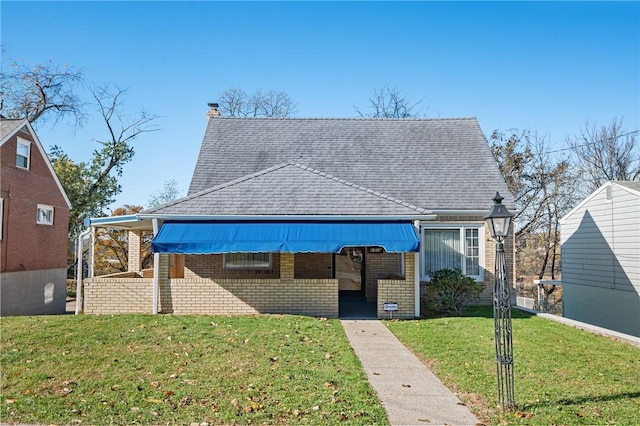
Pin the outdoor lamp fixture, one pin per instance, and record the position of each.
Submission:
(499, 220)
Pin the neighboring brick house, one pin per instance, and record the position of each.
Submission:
(286, 215)
(34, 212)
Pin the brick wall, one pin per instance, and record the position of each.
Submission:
(380, 266)
(401, 292)
(118, 295)
(313, 265)
(210, 266)
(317, 297)
(486, 298)
(26, 245)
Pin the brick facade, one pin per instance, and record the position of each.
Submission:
(33, 256)
(26, 245)
(400, 291)
(295, 284)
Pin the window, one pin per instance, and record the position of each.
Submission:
(23, 152)
(45, 215)
(246, 261)
(453, 248)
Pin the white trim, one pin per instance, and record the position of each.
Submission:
(27, 144)
(563, 219)
(138, 220)
(45, 208)
(416, 274)
(156, 271)
(461, 227)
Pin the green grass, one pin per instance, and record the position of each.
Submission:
(144, 369)
(563, 376)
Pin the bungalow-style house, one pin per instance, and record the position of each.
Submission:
(601, 258)
(34, 223)
(287, 215)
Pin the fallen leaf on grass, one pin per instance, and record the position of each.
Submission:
(154, 400)
(10, 401)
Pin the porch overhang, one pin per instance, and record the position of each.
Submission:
(283, 236)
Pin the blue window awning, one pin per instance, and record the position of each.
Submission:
(284, 237)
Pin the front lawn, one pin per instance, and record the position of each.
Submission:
(145, 369)
(563, 376)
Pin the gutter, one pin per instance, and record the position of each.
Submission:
(326, 218)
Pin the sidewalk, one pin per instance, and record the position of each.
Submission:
(409, 392)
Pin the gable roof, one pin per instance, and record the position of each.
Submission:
(435, 164)
(631, 187)
(9, 128)
(288, 189)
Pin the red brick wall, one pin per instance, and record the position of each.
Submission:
(26, 245)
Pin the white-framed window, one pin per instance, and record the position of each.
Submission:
(453, 247)
(23, 154)
(45, 215)
(246, 261)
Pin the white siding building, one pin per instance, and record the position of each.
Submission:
(601, 258)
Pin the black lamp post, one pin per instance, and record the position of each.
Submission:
(499, 221)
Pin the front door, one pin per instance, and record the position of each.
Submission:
(349, 268)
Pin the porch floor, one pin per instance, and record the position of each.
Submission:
(357, 307)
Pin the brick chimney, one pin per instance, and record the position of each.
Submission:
(213, 111)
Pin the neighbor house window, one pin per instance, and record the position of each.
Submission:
(45, 215)
(247, 261)
(453, 248)
(23, 152)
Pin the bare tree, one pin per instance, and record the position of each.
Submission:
(235, 102)
(93, 185)
(41, 92)
(543, 190)
(606, 153)
(169, 192)
(389, 102)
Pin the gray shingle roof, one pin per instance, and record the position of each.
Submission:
(635, 185)
(8, 126)
(436, 164)
(292, 189)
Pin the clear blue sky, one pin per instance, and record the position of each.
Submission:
(545, 66)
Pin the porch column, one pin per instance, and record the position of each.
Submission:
(156, 270)
(134, 261)
(287, 267)
(416, 273)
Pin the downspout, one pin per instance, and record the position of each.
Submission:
(416, 273)
(156, 271)
(79, 269)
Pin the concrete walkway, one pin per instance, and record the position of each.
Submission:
(409, 392)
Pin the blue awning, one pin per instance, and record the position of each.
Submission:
(284, 237)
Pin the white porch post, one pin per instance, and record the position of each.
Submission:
(156, 271)
(91, 251)
(79, 269)
(416, 272)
